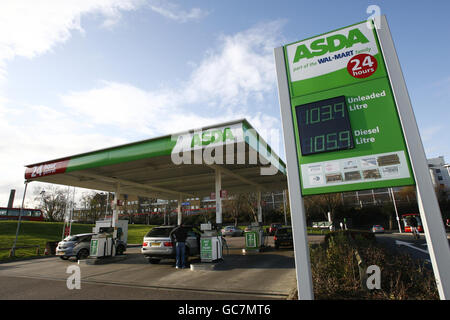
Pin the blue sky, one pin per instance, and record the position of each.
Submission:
(86, 74)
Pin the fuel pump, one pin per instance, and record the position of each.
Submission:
(254, 237)
(102, 243)
(210, 244)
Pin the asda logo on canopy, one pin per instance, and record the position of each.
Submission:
(329, 44)
(212, 136)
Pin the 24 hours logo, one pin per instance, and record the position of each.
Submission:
(362, 66)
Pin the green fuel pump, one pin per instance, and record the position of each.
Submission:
(254, 238)
(210, 244)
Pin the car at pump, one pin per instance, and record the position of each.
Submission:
(158, 245)
(273, 228)
(231, 231)
(283, 237)
(79, 245)
(377, 229)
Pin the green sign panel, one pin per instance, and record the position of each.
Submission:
(206, 248)
(347, 130)
(94, 247)
(250, 240)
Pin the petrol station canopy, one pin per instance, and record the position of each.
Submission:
(173, 166)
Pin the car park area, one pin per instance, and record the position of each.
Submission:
(266, 275)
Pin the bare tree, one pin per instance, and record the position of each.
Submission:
(53, 201)
(242, 203)
(93, 205)
(324, 203)
(235, 206)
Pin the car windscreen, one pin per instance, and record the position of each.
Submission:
(159, 232)
(71, 238)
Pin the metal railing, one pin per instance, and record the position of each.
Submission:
(22, 247)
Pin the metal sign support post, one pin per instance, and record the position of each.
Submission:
(301, 247)
(428, 205)
(396, 211)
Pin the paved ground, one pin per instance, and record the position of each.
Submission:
(404, 242)
(265, 275)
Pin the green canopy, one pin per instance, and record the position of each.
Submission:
(167, 167)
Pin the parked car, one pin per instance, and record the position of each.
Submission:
(377, 229)
(158, 245)
(283, 237)
(79, 245)
(273, 228)
(231, 231)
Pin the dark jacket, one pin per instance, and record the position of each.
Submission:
(412, 222)
(179, 234)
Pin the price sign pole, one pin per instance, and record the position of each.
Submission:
(298, 216)
(430, 212)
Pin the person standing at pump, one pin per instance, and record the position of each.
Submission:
(412, 221)
(179, 235)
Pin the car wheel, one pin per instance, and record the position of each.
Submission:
(153, 260)
(82, 254)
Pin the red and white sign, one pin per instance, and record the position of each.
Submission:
(46, 169)
(362, 66)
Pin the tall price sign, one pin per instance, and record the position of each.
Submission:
(348, 125)
(347, 130)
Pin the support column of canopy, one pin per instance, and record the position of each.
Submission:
(218, 184)
(260, 217)
(180, 215)
(115, 217)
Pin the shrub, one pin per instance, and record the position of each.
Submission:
(336, 275)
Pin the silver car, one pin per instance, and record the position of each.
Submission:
(232, 231)
(77, 245)
(158, 245)
(377, 229)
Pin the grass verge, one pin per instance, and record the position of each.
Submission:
(39, 233)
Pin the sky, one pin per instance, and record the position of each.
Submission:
(80, 75)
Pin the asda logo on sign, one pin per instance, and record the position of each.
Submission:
(329, 52)
(329, 44)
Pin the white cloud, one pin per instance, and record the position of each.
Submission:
(224, 86)
(242, 68)
(29, 28)
(38, 133)
(173, 12)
